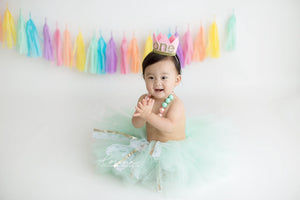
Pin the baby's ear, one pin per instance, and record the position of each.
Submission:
(178, 79)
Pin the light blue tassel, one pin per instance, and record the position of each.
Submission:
(101, 55)
(34, 47)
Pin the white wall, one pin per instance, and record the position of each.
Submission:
(46, 112)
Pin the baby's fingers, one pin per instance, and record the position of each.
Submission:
(151, 102)
(140, 105)
(148, 102)
(144, 102)
(138, 109)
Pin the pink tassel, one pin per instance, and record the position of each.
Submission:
(57, 46)
(187, 47)
(124, 61)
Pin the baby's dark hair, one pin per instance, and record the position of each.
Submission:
(152, 58)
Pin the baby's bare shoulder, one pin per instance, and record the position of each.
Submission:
(178, 101)
(177, 104)
(176, 112)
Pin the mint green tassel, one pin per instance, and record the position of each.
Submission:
(21, 36)
(231, 34)
(92, 56)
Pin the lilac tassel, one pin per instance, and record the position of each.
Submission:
(48, 50)
(111, 56)
(180, 52)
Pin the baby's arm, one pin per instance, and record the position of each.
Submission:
(165, 124)
(137, 121)
(168, 123)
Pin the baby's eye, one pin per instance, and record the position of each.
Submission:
(150, 77)
(164, 77)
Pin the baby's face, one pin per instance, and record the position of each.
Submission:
(161, 78)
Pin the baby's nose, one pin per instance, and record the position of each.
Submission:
(157, 82)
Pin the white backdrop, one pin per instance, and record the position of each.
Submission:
(47, 112)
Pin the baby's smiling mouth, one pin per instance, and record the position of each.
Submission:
(159, 90)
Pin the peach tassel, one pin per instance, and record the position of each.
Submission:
(67, 48)
(199, 46)
(133, 55)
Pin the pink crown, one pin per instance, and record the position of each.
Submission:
(164, 45)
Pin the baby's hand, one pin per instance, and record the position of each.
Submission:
(144, 108)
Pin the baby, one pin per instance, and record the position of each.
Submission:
(170, 156)
(164, 116)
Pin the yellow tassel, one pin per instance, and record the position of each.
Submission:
(213, 49)
(79, 49)
(148, 46)
(9, 31)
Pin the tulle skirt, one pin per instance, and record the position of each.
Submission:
(123, 151)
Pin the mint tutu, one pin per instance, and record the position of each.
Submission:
(123, 151)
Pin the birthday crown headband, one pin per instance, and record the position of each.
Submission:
(164, 45)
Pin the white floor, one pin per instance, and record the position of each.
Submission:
(45, 137)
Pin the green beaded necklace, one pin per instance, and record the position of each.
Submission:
(165, 104)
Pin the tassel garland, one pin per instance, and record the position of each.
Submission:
(102, 57)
